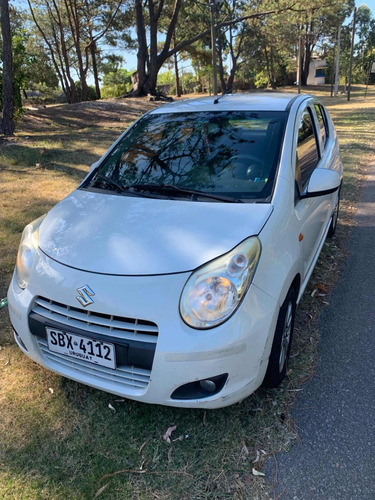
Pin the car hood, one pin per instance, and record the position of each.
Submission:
(114, 234)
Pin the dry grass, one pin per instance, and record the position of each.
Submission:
(63, 444)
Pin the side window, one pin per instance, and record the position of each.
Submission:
(307, 151)
(323, 130)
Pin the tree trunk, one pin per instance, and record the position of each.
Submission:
(273, 80)
(177, 76)
(142, 53)
(149, 85)
(231, 75)
(75, 27)
(95, 69)
(57, 59)
(268, 66)
(60, 48)
(221, 66)
(7, 123)
(309, 47)
(72, 91)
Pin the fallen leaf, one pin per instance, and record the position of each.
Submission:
(180, 438)
(50, 390)
(111, 407)
(168, 433)
(245, 449)
(314, 292)
(100, 490)
(170, 451)
(256, 458)
(257, 473)
(142, 446)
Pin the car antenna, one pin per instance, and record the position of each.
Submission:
(216, 101)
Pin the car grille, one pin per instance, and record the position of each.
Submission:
(105, 324)
(128, 376)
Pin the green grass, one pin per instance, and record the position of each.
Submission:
(62, 443)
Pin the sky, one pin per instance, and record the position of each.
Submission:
(370, 4)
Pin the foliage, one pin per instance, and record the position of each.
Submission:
(116, 83)
(21, 60)
(262, 47)
(110, 63)
(261, 80)
(91, 93)
(364, 48)
(71, 32)
(40, 69)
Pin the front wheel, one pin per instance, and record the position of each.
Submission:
(282, 342)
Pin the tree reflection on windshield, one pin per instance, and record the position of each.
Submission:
(228, 153)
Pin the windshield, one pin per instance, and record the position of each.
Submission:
(231, 155)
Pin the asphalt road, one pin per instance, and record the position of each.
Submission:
(335, 412)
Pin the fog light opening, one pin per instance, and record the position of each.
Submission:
(201, 388)
(208, 385)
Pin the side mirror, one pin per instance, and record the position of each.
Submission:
(322, 182)
(93, 166)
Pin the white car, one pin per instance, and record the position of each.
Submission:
(171, 275)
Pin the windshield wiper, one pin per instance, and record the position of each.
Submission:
(112, 182)
(121, 188)
(163, 188)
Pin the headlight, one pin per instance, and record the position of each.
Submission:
(27, 251)
(214, 291)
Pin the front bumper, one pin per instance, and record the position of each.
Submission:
(180, 355)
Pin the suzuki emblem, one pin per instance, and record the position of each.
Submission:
(85, 294)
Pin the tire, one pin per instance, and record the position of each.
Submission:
(335, 216)
(282, 342)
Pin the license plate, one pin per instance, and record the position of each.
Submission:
(86, 349)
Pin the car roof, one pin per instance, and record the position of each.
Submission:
(257, 101)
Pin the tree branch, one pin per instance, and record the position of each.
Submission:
(160, 8)
(164, 54)
(223, 24)
(104, 31)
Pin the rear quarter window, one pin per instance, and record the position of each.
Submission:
(322, 124)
